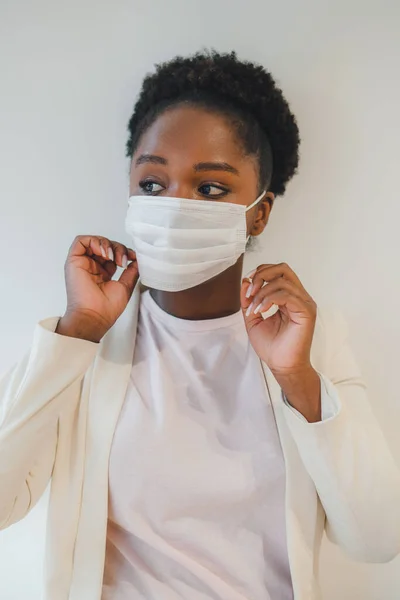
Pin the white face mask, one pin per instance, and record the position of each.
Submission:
(181, 243)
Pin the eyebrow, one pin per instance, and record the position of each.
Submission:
(198, 167)
(215, 166)
(151, 158)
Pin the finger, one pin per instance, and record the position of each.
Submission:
(102, 249)
(110, 268)
(250, 318)
(131, 254)
(266, 273)
(108, 249)
(87, 244)
(101, 271)
(129, 277)
(294, 306)
(99, 259)
(275, 286)
(120, 254)
(244, 300)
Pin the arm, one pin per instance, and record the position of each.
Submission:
(348, 459)
(32, 397)
(48, 382)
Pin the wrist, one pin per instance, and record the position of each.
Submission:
(80, 326)
(302, 389)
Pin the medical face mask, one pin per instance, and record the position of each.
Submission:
(181, 243)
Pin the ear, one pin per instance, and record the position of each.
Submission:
(263, 213)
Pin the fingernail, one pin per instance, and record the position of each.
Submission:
(110, 254)
(248, 311)
(103, 252)
(249, 290)
(258, 308)
(250, 275)
(124, 261)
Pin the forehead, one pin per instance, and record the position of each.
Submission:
(194, 133)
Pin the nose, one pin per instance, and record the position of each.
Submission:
(179, 189)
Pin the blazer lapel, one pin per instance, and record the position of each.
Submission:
(110, 378)
(304, 514)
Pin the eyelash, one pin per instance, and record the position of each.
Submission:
(147, 182)
(222, 189)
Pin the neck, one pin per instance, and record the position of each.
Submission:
(218, 297)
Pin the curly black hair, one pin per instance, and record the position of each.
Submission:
(243, 91)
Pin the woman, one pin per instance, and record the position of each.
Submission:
(196, 449)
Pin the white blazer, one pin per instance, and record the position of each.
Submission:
(59, 409)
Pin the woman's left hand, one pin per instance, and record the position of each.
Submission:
(283, 341)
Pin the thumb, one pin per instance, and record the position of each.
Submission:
(129, 277)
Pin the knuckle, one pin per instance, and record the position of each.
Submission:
(312, 305)
(257, 277)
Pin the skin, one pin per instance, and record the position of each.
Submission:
(181, 138)
(184, 137)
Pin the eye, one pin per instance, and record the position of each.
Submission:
(150, 187)
(212, 191)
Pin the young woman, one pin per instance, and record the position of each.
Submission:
(196, 448)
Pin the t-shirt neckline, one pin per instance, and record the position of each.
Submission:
(149, 304)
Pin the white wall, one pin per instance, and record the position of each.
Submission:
(69, 73)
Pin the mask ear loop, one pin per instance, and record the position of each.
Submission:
(253, 204)
(256, 200)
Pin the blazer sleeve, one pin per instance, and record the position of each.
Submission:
(348, 459)
(32, 397)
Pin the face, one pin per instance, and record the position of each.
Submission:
(189, 152)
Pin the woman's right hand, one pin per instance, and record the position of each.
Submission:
(94, 299)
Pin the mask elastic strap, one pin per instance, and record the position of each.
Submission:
(253, 204)
(256, 200)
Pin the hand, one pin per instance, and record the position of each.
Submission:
(94, 299)
(283, 341)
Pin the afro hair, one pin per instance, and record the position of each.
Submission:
(240, 89)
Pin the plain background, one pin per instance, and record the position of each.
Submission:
(70, 72)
